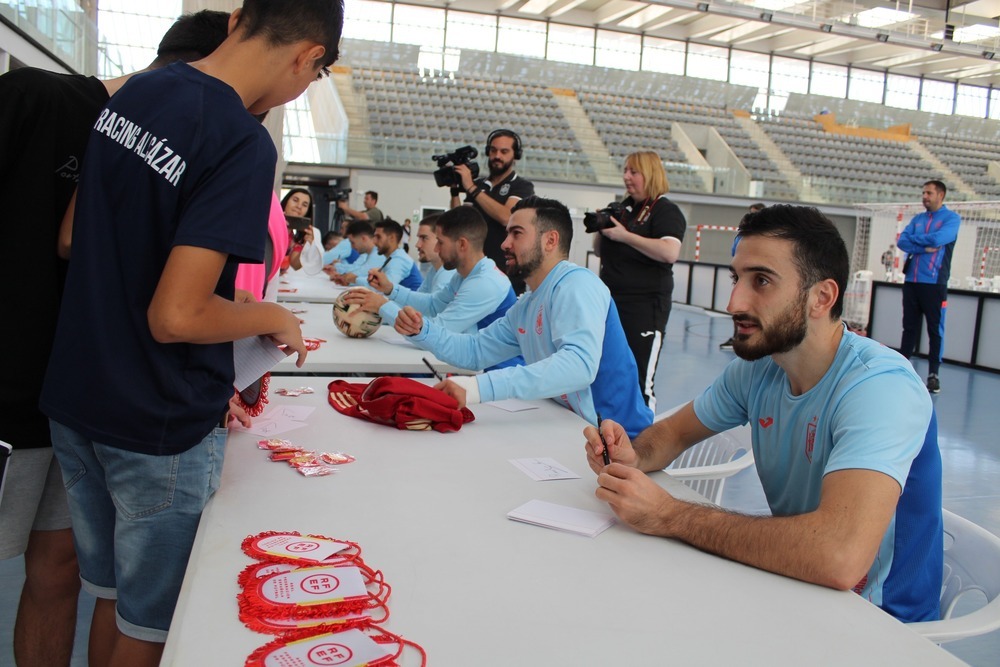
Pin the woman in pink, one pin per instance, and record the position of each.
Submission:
(257, 279)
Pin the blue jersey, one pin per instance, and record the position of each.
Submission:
(573, 345)
(174, 159)
(435, 279)
(937, 232)
(414, 280)
(869, 411)
(361, 266)
(458, 306)
(343, 251)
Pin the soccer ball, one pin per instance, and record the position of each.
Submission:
(352, 321)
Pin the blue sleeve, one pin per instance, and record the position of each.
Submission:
(460, 310)
(724, 404)
(474, 351)
(338, 252)
(426, 304)
(905, 241)
(361, 268)
(397, 269)
(942, 236)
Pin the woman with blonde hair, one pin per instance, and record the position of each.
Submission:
(637, 256)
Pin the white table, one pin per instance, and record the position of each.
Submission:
(296, 286)
(475, 588)
(386, 351)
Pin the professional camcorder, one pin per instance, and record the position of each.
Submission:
(341, 194)
(445, 176)
(597, 220)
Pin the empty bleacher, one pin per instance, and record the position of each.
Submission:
(967, 157)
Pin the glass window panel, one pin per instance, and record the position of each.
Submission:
(866, 86)
(750, 69)
(902, 91)
(619, 50)
(472, 31)
(521, 37)
(830, 80)
(423, 26)
(995, 104)
(971, 101)
(663, 55)
(937, 97)
(128, 37)
(571, 44)
(791, 75)
(708, 62)
(364, 19)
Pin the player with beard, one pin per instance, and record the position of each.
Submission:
(566, 328)
(844, 434)
(496, 195)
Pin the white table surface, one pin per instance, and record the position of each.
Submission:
(296, 286)
(474, 588)
(386, 351)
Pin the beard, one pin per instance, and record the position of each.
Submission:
(788, 331)
(521, 269)
(498, 167)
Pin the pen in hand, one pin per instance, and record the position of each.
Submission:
(433, 370)
(607, 457)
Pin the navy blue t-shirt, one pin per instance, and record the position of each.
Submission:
(174, 159)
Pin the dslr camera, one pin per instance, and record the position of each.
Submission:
(445, 176)
(595, 221)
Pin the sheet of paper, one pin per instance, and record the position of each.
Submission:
(561, 517)
(252, 357)
(277, 419)
(512, 405)
(543, 469)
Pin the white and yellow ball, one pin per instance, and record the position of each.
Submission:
(352, 321)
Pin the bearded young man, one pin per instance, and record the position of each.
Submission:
(495, 196)
(844, 434)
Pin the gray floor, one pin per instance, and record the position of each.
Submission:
(968, 422)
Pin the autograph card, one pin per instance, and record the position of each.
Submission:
(543, 469)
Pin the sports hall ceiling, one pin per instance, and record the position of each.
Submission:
(902, 38)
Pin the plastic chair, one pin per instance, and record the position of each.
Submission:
(705, 466)
(971, 565)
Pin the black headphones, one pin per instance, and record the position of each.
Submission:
(505, 133)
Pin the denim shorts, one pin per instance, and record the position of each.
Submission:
(134, 520)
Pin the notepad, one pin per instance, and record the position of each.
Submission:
(252, 357)
(561, 517)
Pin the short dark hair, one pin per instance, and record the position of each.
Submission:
(550, 216)
(372, 194)
(463, 221)
(759, 206)
(332, 235)
(359, 228)
(284, 200)
(192, 37)
(820, 253)
(283, 22)
(391, 227)
(431, 220)
(941, 187)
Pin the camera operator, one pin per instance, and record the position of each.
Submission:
(495, 195)
(371, 213)
(637, 250)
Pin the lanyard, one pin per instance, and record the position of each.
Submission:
(647, 207)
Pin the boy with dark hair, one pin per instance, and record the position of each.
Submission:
(844, 434)
(142, 367)
(45, 121)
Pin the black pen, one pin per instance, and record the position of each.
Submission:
(384, 264)
(433, 370)
(607, 457)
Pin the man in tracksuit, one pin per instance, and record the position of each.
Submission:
(928, 240)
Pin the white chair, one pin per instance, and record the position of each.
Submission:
(705, 466)
(971, 565)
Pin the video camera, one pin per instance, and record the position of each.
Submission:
(595, 221)
(341, 194)
(445, 176)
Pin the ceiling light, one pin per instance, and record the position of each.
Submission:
(766, 16)
(937, 47)
(882, 37)
(826, 27)
(881, 17)
(989, 55)
(702, 6)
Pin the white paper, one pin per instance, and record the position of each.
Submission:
(351, 648)
(252, 357)
(560, 517)
(543, 469)
(266, 427)
(512, 405)
(300, 546)
(313, 585)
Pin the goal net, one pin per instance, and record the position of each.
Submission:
(975, 262)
